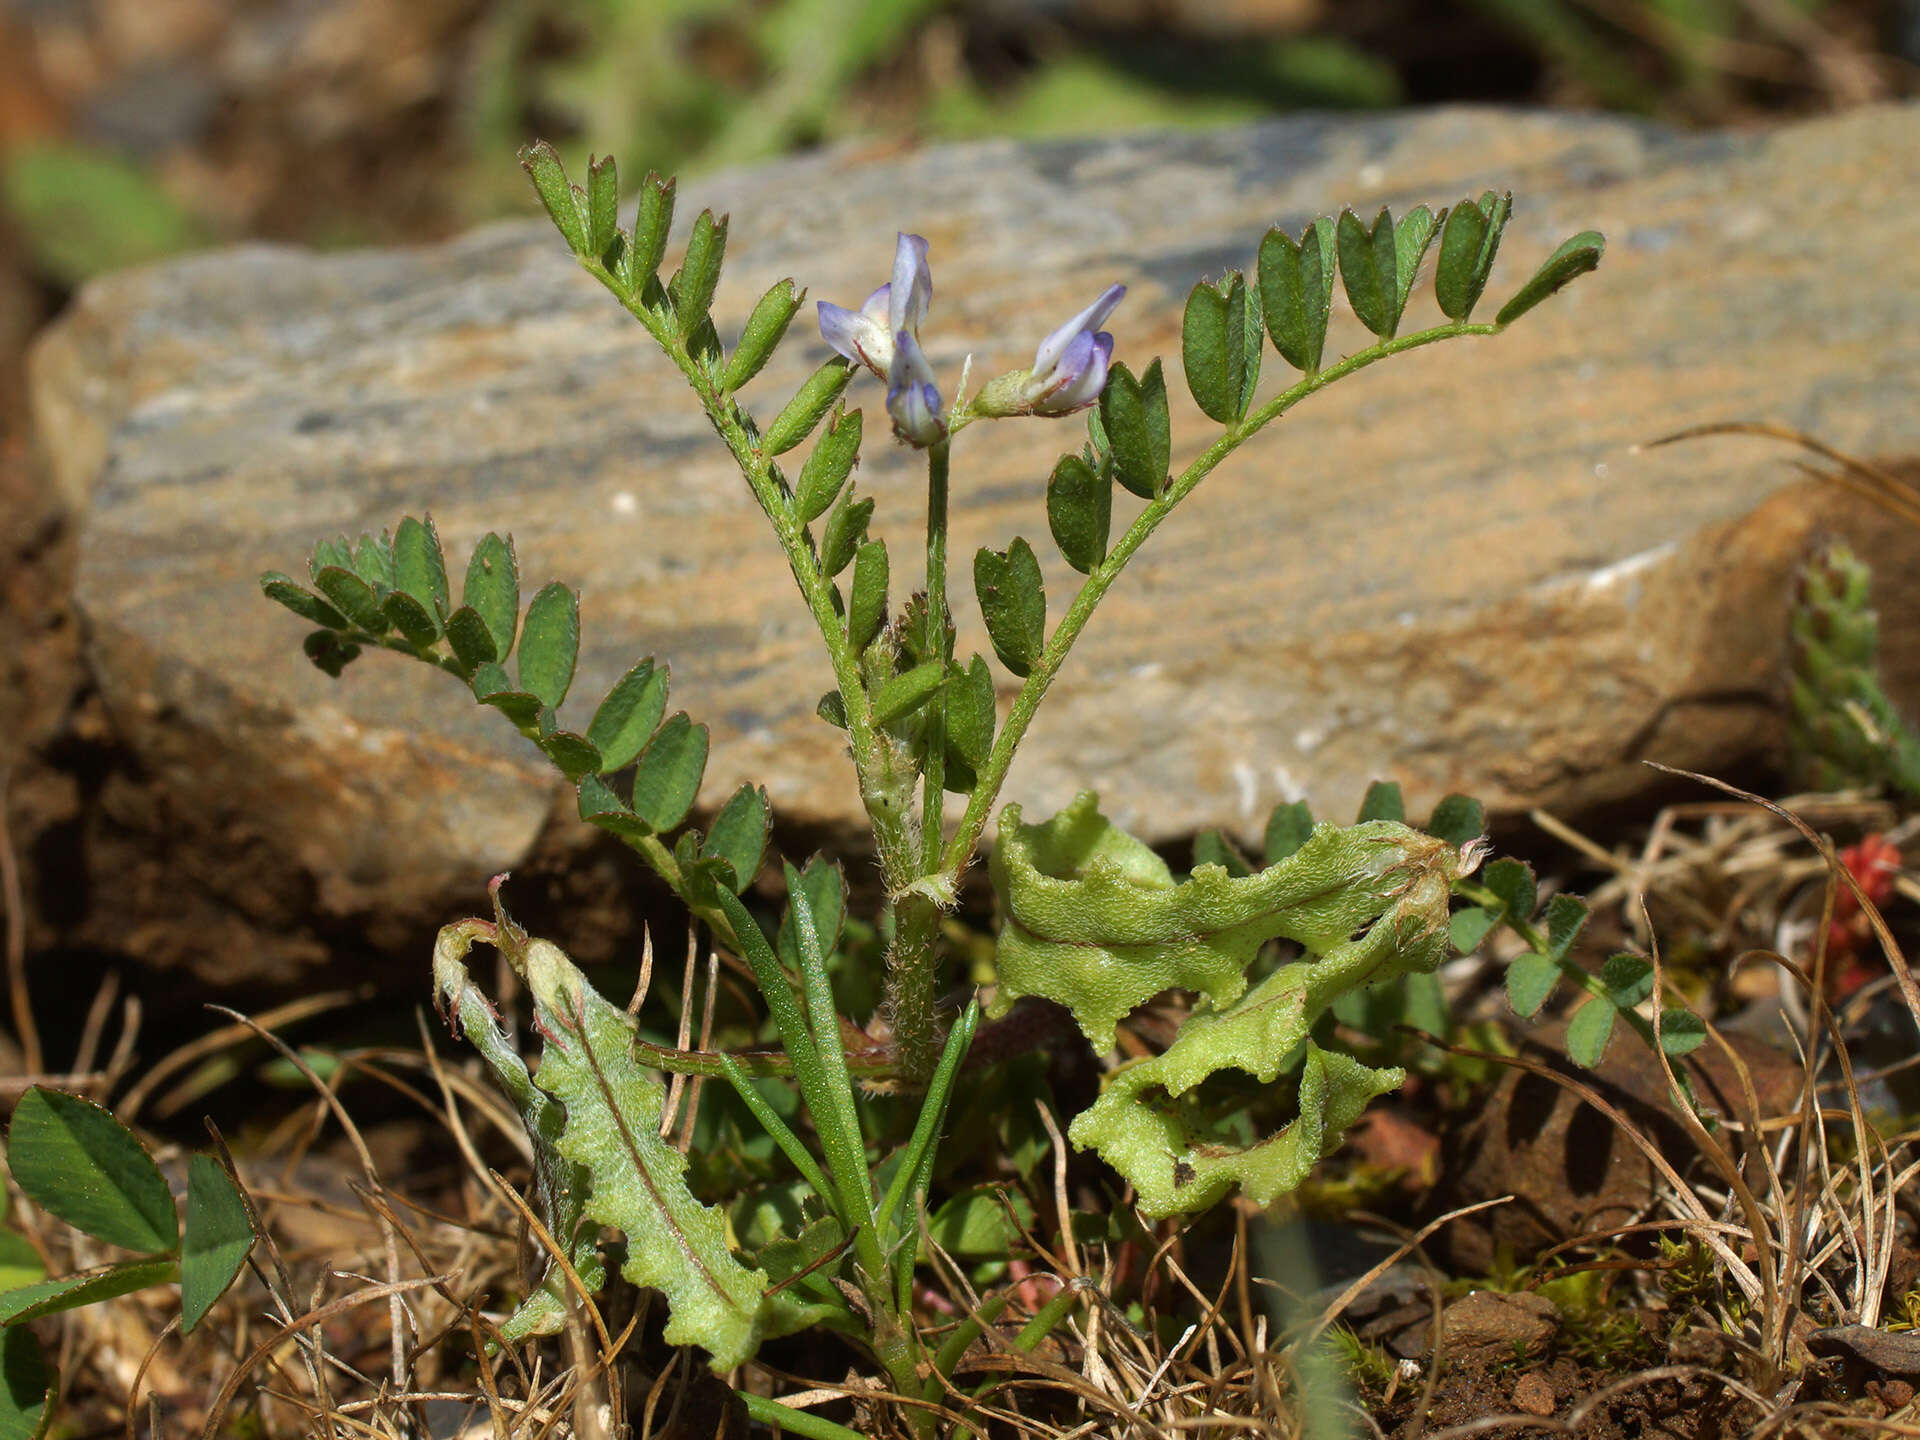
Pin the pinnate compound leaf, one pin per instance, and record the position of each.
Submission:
(492, 591)
(301, 601)
(630, 713)
(1079, 512)
(1288, 828)
(565, 205)
(26, 1385)
(827, 466)
(739, 835)
(1013, 601)
(1588, 1032)
(1572, 260)
(1095, 921)
(810, 403)
(667, 779)
(74, 1160)
(867, 605)
(904, 694)
(560, 1186)
(69, 1292)
(1459, 820)
(215, 1243)
(1133, 424)
(1531, 978)
(1221, 366)
(550, 644)
(637, 1182)
(1296, 291)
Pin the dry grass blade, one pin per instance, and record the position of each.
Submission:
(317, 1316)
(214, 1041)
(1891, 492)
(1407, 1246)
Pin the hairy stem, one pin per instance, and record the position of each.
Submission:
(911, 960)
(870, 760)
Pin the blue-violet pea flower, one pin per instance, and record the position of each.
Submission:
(866, 336)
(913, 400)
(1069, 369)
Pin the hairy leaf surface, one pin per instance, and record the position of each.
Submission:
(1097, 922)
(637, 1181)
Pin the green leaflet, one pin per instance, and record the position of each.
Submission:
(560, 1186)
(612, 1129)
(1172, 1173)
(1096, 921)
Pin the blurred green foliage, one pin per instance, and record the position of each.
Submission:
(692, 85)
(82, 211)
(695, 84)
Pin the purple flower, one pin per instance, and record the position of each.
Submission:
(913, 400)
(1070, 367)
(867, 335)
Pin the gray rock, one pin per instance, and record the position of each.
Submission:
(1455, 571)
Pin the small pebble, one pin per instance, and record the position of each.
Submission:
(1895, 1394)
(1533, 1394)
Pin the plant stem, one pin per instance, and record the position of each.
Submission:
(797, 1422)
(871, 761)
(911, 960)
(936, 644)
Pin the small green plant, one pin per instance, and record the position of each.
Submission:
(1092, 918)
(1842, 730)
(75, 1161)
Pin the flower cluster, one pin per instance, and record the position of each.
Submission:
(1068, 372)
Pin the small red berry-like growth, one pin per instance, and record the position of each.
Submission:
(1852, 959)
